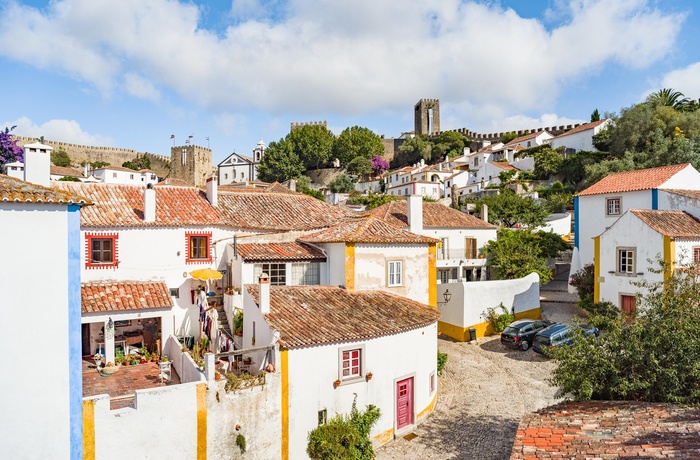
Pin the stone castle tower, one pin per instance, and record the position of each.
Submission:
(427, 116)
(191, 163)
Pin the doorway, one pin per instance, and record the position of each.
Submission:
(404, 403)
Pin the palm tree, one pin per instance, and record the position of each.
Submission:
(669, 98)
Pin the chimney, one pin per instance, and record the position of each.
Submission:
(292, 185)
(264, 301)
(149, 204)
(415, 214)
(212, 190)
(484, 213)
(37, 164)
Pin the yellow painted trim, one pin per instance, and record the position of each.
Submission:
(89, 429)
(284, 358)
(461, 334)
(350, 266)
(202, 421)
(669, 257)
(385, 437)
(428, 409)
(432, 275)
(596, 269)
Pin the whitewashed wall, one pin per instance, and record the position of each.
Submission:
(263, 334)
(312, 372)
(559, 223)
(593, 221)
(336, 263)
(688, 178)
(669, 200)
(470, 300)
(34, 279)
(456, 249)
(371, 269)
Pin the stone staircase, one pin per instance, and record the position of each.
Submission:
(557, 303)
(223, 323)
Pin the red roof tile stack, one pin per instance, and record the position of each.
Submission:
(584, 127)
(609, 430)
(435, 215)
(19, 191)
(629, 181)
(106, 296)
(290, 252)
(318, 315)
(368, 229)
(676, 224)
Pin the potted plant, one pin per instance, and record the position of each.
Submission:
(164, 359)
(336, 384)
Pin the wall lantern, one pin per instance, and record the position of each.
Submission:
(447, 295)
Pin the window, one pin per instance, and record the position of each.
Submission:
(198, 247)
(322, 417)
(305, 274)
(444, 253)
(277, 272)
(626, 261)
(470, 248)
(432, 383)
(394, 276)
(351, 364)
(101, 250)
(696, 255)
(613, 206)
(444, 276)
(175, 292)
(114, 174)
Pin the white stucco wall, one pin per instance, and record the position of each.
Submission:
(688, 178)
(371, 269)
(336, 263)
(582, 140)
(470, 300)
(593, 221)
(456, 244)
(668, 200)
(628, 232)
(558, 223)
(312, 372)
(159, 254)
(34, 281)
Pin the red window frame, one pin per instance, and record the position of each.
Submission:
(188, 248)
(90, 238)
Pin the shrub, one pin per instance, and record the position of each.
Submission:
(441, 362)
(499, 320)
(344, 437)
(240, 442)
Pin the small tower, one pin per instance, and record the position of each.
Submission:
(259, 152)
(190, 163)
(427, 116)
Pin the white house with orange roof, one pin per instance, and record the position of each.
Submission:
(459, 179)
(531, 140)
(126, 176)
(428, 189)
(338, 344)
(632, 247)
(40, 278)
(580, 137)
(600, 205)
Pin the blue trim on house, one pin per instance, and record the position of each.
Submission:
(576, 223)
(654, 199)
(75, 353)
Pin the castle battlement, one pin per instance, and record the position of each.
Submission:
(295, 125)
(553, 130)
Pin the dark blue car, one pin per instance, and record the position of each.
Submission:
(559, 335)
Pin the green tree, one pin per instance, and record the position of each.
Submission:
(138, 163)
(413, 150)
(448, 144)
(342, 184)
(355, 142)
(668, 97)
(60, 157)
(344, 437)
(312, 144)
(517, 253)
(372, 200)
(360, 166)
(304, 186)
(547, 160)
(280, 163)
(595, 116)
(509, 136)
(652, 358)
(508, 208)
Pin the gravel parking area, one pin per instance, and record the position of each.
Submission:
(483, 393)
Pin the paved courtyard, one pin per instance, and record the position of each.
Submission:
(483, 393)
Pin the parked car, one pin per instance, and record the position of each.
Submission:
(559, 335)
(520, 333)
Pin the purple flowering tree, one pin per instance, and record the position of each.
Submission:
(9, 150)
(379, 165)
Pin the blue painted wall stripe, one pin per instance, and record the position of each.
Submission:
(75, 352)
(576, 222)
(655, 198)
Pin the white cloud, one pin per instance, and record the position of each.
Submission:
(685, 80)
(68, 131)
(345, 57)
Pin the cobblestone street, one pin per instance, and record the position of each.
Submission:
(483, 393)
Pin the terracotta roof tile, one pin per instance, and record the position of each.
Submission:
(629, 181)
(19, 191)
(366, 229)
(609, 429)
(526, 137)
(119, 205)
(291, 252)
(435, 215)
(264, 210)
(64, 171)
(106, 296)
(504, 165)
(173, 182)
(677, 224)
(317, 315)
(584, 127)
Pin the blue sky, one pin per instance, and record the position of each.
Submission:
(131, 73)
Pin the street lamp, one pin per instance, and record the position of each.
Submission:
(447, 295)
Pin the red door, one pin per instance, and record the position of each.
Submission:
(404, 403)
(629, 304)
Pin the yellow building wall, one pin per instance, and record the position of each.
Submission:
(461, 334)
